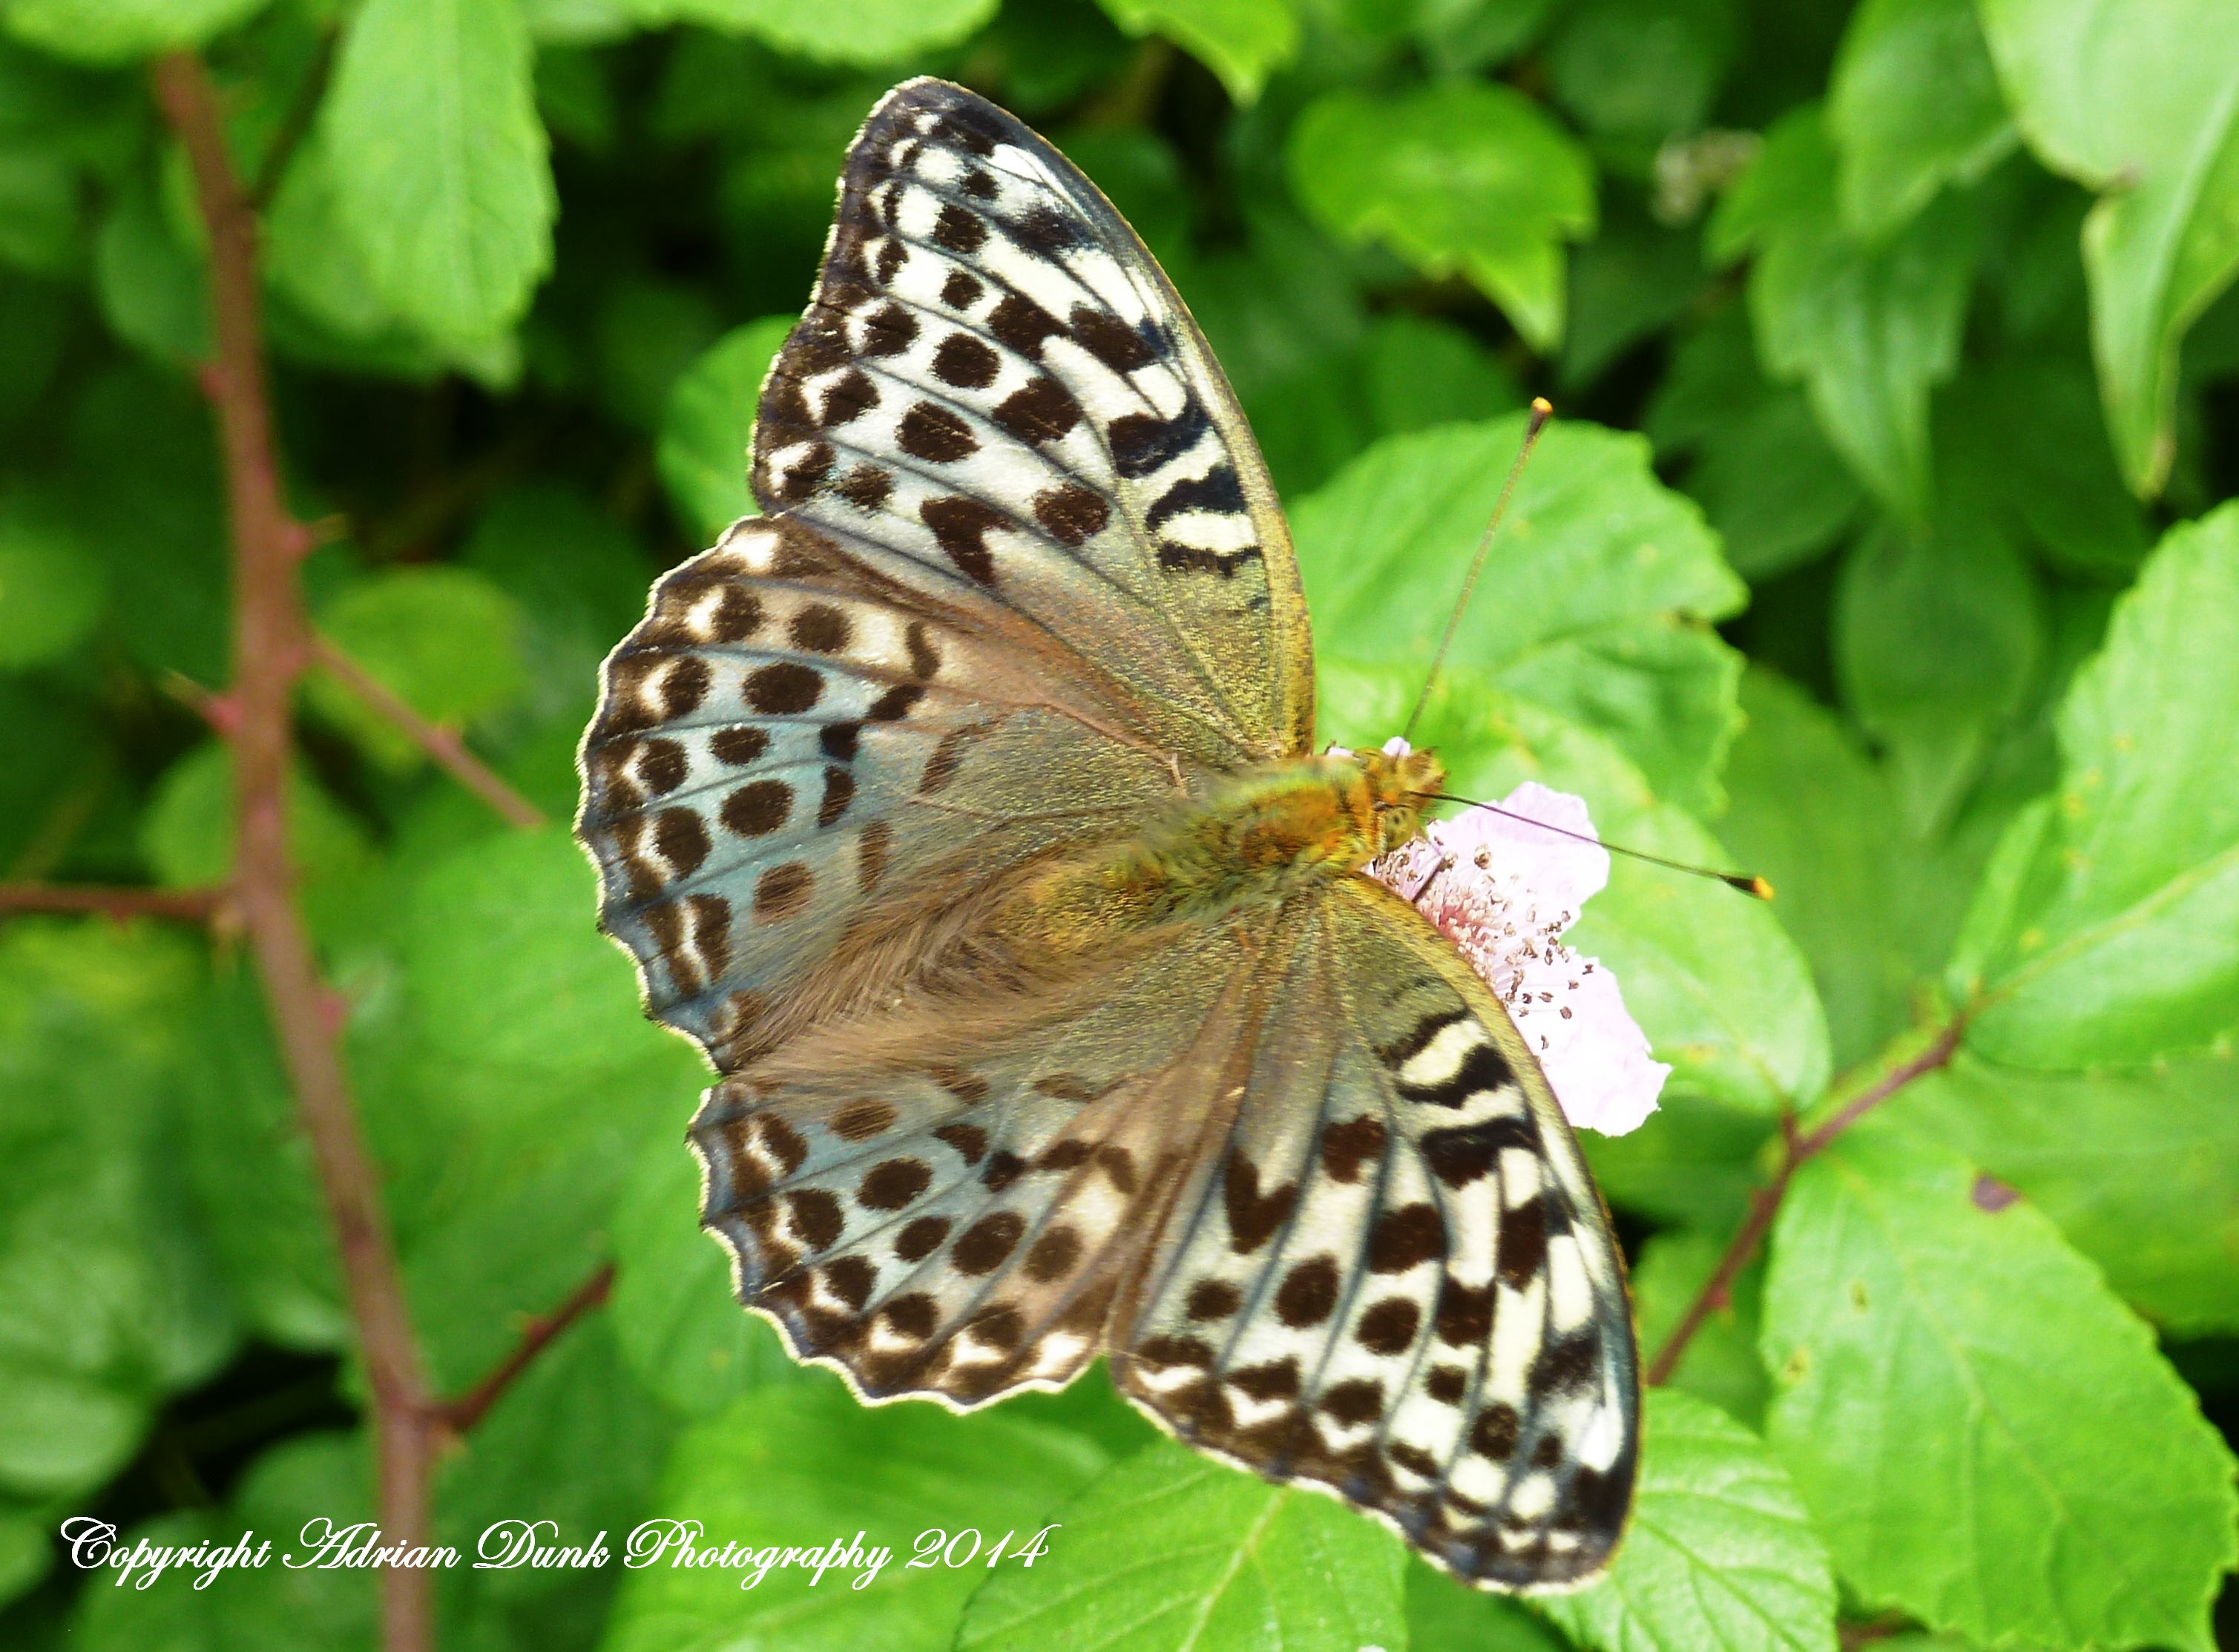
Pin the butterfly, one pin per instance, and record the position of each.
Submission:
(963, 807)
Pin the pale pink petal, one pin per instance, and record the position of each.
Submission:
(1572, 1015)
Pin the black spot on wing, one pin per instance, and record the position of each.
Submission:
(1218, 490)
(1483, 1068)
(1142, 444)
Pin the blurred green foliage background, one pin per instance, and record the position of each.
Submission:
(1884, 545)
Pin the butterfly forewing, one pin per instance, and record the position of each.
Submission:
(996, 388)
(784, 755)
(1394, 1277)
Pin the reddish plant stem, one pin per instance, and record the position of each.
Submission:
(1765, 1203)
(190, 905)
(271, 643)
(461, 1413)
(442, 744)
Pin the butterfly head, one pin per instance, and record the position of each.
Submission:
(1399, 788)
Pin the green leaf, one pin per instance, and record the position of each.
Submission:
(1594, 599)
(1639, 70)
(1720, 1363)
(272, 1608)
(574, 97)
(1868, 329)
(1720, 1557)
(2140, 1171)
(591, 22)
(117, 31)
(679, 1325)
(1241, 41)
(2120, 947)
(1421, 373)
(648, 333)
(1984, 1436)
(872, 32)
(1456, 176)
(578, 581)
(1444, 1616)
(26, 1552)
(1631, 280)
(154, 286)
(2028, 431)
(1697, 1165)
(709, 424)
(509, 1086)
(107, 1298)
(2145, 111)
(438, 161)
(1873, 908)
(143, 490)
(1170, 1551)
(1764, 473)
(32, 348)
(444, 640)
(243, 1131)
(51, 587)
(1722, 994)
(1939, 634)
(505, 965)
(1280, 308)
(575, 1441)
(1913, 105)
(322, 282)
(806, 1464)
(1774, 489)
(39, 210)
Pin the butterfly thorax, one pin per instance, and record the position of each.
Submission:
(1257, 836)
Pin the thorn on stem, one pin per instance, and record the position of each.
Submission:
(220, 711)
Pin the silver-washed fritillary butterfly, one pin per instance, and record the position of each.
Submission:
(963, 808)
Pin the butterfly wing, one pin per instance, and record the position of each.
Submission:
(1394, 1277)
(1024, 581)
(1024, 577)
(1306, 1186)
(997, 390)
(958, 1225)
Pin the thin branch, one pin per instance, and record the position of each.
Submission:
(460, 1414)
(189, 906)
(1765, 1203)
(270, 647)
(1937, 1054)
(442, 744)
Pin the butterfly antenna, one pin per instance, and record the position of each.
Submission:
(1747, 883)
(1542, 410)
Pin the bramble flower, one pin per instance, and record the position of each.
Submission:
(1504, 891)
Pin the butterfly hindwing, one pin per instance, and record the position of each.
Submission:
(959, 1228)
(997, 390)
(1394, 1278)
